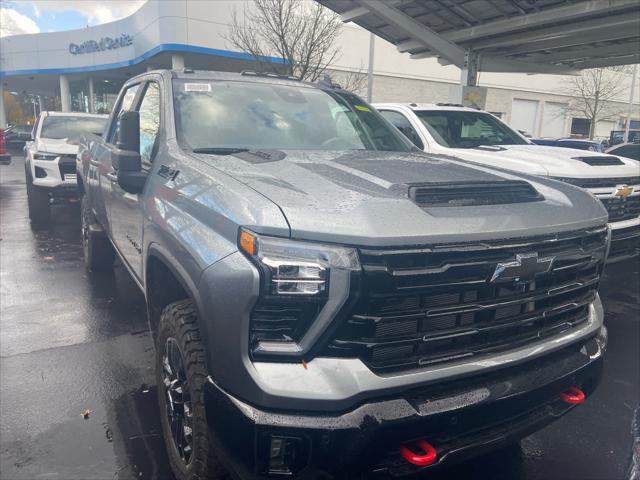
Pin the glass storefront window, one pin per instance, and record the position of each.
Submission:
(105, 92)
(79, 90)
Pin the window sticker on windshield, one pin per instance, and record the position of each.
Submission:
(362, 108)
(197, 87)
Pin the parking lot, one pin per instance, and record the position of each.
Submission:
(72, 341)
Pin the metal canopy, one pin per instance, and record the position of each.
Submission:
(529, 36)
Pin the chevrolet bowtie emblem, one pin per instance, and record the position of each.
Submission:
(623, 191)
(525, 268)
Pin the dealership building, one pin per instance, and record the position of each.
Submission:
(84, 69)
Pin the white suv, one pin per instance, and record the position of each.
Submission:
(50, 158)
(480, 137)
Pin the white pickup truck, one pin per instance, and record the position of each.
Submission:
(480, 137)
(50, 158)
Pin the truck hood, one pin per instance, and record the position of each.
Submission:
(544, 160)
(362, 198)
(61, 146)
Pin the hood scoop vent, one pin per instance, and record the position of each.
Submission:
(600, 161)
(450, 194)
(490, 148)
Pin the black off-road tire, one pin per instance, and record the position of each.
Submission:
(178, 323)
(38, 201)
(98, 251)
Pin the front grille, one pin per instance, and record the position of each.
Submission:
(423, 306)
(600, 161)
(67, 165)
(622, 208)
(601, 182)
(473, 193)
(625, 243)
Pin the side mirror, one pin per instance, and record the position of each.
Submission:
(128, 132)
(131, 178)
(126, 156)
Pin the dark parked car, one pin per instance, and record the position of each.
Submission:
(325, 299)
(17, 135)
(628, 150)
(617, 136)
(590, 145)
(545, 141)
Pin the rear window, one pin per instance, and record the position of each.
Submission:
(227, 114)
(60, 127)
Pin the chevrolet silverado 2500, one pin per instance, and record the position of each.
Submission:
(324, 298)
(482, 138)
(50, 159)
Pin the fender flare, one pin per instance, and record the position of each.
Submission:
(155, 250)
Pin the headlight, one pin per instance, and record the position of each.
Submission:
(45, 156)
(303, 286)
(296, 268)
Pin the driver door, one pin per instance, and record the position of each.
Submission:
(126, 212)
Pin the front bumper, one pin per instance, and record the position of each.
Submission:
(460, 418)
(55, 173)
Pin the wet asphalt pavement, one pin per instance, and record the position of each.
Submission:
(72, 341)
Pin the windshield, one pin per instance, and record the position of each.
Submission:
(464, 129)
(59, 127)
(219, 115)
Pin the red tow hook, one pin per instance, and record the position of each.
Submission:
(429, 456)
(572, 395)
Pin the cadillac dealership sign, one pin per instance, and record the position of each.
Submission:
(105, 43)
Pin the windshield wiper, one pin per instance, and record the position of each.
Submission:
(220, 150)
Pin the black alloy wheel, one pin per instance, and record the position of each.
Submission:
(178, 400)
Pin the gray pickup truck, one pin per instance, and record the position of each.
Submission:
(325, 299)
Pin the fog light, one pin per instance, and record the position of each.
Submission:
(286, 455)
(40, 172)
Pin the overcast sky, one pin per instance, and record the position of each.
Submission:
(33, 16)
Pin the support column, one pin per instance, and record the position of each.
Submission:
(469, 72)
(372, 39)
(3, 115)
(65, 95)
(539, 120)
(177, 62)
(92, 105)
(468, 78)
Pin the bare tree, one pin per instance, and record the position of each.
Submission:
(300, 34)
(352, 81)
(594, 93)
